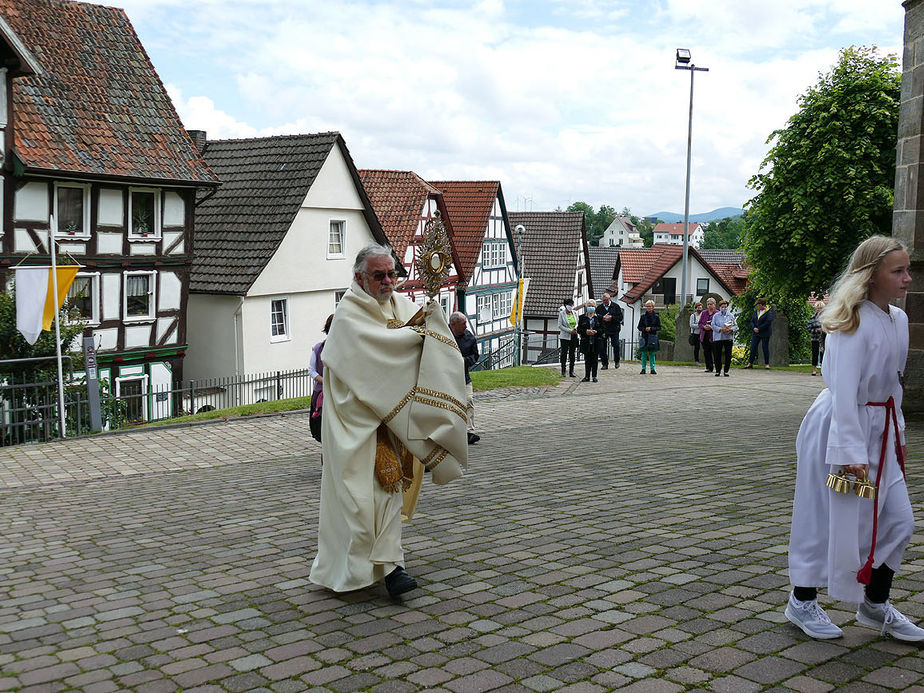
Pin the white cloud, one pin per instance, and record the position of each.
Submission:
(558, 105)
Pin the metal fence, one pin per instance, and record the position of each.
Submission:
(29, 406)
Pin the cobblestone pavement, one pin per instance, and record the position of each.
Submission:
(629, 534)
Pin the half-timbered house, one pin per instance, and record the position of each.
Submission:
(555, 258)
(404, 203)
(482, 239)
(98, 160)
(274, 253)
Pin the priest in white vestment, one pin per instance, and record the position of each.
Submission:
(394, 395)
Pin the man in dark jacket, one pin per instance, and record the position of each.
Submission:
(762, 328)
(469, 348)
(611, 314)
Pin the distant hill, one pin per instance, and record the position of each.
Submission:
(720, 213)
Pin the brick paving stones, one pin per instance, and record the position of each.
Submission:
(651, 559)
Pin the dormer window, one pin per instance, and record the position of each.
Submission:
(72, 210)
(144, 214)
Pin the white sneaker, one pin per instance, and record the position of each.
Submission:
(812, 619)
(889, 621)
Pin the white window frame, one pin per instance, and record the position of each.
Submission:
(154, 235)
(343, 234)
(61, 234)
(444, 304)
(152, 294)
(338, 296)
(144, 392)
(493, 255)
(287, 334)
(95, 297)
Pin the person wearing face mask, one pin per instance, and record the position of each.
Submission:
(649, 325)
(724, 328)
(567, 335)
(705, 332)
(695, 330)
(590, 329)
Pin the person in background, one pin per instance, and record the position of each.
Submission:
(468, 347)
(316, 373)
(567, 335)
(724, 328)
(649, 324)
(762, 327)
(612, 322)
(590, 328)
(705, 335)
(850, 544)
(818, 337)
(695, 331)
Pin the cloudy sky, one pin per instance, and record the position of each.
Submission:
(560, 100)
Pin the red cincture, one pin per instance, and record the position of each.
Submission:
(865, 574)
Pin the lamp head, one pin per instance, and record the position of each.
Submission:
(683, 56)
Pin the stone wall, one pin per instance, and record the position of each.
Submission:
(908, 214)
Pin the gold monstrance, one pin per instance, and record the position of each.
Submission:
(434, 256)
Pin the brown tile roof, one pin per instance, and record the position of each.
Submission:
(675, 229)
(98, 108)
(264, 182)
(469, 204)
(554, 247)
(644, 266)
(730, 266)
(398, 198)
(602, 267)
(14, 55)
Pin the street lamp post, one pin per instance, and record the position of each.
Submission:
(519, 230)
(683, 61)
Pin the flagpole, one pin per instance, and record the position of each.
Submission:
(54, 286)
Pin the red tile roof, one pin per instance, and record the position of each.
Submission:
(675, 229)
(398, 198)
(645, 266)
(469, 204)
(98, 107)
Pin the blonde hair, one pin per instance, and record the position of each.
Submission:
(649, 303)
(852, 288)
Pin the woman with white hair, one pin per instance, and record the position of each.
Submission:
(590, 329)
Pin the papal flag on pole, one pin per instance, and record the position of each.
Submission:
(517, 314)
(35, 300)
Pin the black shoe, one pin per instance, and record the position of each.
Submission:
(726, 374)
(572, 374)
(603, 368)
(642, 372)
(562, 372)
(708, 370)
(397, 582)
(473, 438)
(654, 372)
(585, 380)
(717, 374)
(595, 380)
(616, 366)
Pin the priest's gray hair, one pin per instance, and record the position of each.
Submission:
(457, 317)
(371, 250)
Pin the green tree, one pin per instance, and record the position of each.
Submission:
(596, 222)
(724, 233)
(827, 182)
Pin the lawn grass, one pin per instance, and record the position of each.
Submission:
(518, 376)
(522, 376)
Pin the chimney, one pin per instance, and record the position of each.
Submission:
(199, 138)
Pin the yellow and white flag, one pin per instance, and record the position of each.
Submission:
(519, 299)
(35, 300)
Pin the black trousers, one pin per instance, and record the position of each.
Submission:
(721, 350)
(567, 347)
(708, 352)
(817, 354)
(763, 340)
(605, 347)
(696, 344)
(590, 363)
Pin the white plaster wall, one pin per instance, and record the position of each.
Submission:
(210, 336)
(73, 248)
(300, 263)
(142, 249)
(333, 186)
(137, 336)
(307, 313)
(164, 326)
(111, 208)
(168, 296)
(107, 339)
(109, 243)
(174, 209)
(112, 295)
(22, 242)
(161, 381)
(169, 238)
(31, 203)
